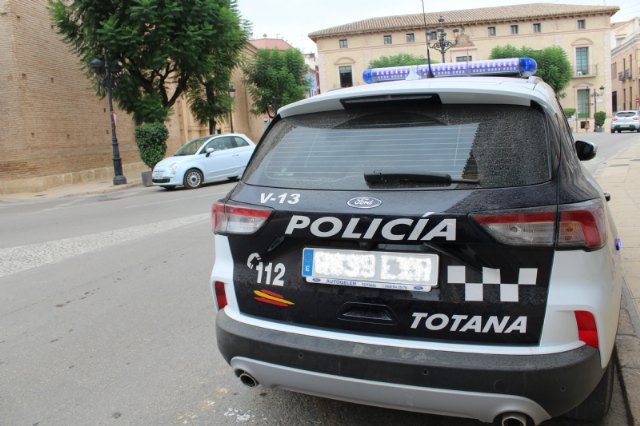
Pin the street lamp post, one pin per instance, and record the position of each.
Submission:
(98, 66)
(595, 99)
(595, 105)
(232, 92)
(442, 44)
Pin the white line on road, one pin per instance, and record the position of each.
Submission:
(21, 258)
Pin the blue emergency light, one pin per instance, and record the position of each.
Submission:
(523, 67)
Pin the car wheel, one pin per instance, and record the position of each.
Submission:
(193, 178)
(597, 403)
(169, 187)
(613, 131)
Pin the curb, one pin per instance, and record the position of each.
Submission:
(627, 345)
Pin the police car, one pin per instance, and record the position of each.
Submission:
(431, 244)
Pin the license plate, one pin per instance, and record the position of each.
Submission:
(353, 268)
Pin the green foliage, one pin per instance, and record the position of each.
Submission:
(569, 112)
(553, 66)
(151, 139)
(275, 78)
(599, 118)
(208, 95)
(161, 44)
(398, 60)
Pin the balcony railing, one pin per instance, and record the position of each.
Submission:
(621, 76)
(627, 73)
(584, 72)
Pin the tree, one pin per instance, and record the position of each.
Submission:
(553, 66)
(209, 95)
(209, 98)
(275, 78)
(397, 60)
(161, 45)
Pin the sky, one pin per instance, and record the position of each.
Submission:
(293, 20)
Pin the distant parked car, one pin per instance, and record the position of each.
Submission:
(205, 159)
(626, 120)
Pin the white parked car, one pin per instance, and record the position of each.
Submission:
(204, 160)
(626, 120)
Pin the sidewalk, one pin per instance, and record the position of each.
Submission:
(619, 176)
(94, 187)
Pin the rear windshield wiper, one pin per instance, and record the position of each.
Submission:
(379, 177)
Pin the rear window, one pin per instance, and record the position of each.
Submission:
(475, 145)
(626, 114)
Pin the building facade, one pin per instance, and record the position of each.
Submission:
(584, 32)
(55, 130)
(625, 66)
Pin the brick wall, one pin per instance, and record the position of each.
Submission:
(57, 126)
(54, 130)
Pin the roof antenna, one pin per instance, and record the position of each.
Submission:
(426, 33)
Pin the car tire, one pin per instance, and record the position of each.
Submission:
(193, 178)
(598, 402)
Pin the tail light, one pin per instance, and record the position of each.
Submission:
(220, 294)
(581, 225)
(530, 227)
(587, 329)
(230, 218)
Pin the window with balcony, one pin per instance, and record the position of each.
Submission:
(411, 37)
(343, 43)
(514, 29)
(492, 31)
(582, 61)
(387, 39)
(537, 28)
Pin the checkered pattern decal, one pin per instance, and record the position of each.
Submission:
(474, 292)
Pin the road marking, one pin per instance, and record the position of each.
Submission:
(21, 258)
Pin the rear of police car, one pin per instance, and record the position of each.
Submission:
(430, 245)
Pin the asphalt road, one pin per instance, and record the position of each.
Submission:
(106, 318)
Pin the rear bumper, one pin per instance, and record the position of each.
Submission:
(480, 386)
(626, 126)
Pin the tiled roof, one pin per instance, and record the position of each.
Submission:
(270, 43)
(465, 17)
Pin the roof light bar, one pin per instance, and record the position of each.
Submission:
(523, 67)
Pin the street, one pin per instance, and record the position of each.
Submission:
(106, 317)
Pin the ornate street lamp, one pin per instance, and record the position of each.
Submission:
(104, 78)
(596, 95)
(442, 44)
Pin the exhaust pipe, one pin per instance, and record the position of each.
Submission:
(514, 419)
(247, 379)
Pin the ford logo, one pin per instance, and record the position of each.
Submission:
(364, 202)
